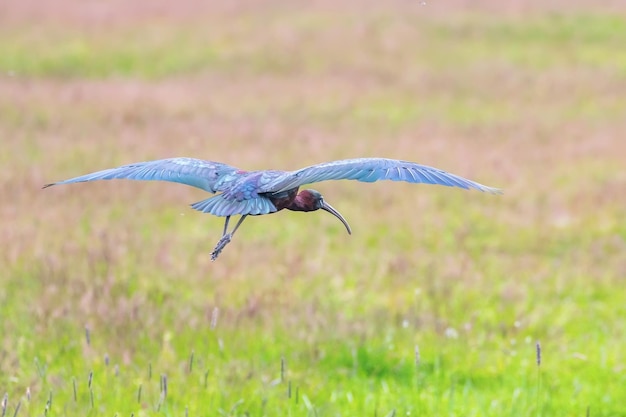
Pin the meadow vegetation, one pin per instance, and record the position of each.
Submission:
(110, 305)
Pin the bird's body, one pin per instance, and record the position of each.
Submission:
(263, 192)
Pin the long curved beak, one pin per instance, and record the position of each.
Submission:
(327, 207)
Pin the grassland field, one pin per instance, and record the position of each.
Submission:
(110, 304)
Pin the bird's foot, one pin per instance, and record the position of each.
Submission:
(225, 240)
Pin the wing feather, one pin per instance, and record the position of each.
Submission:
(206, 175)
(371, 170)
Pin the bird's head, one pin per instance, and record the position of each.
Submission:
(315, 201)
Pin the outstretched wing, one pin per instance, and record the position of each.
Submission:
(370, 170)
(206, 175)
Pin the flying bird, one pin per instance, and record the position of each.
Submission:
(254, 193)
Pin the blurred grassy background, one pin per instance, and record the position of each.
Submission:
(527, 96)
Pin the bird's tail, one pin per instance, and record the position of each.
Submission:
(220, 206)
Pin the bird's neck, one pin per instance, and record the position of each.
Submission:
(286, 200)
(304, 201)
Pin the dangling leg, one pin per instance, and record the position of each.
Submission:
(224, 240)
(226, 225)
(226, 237)
(238, 224)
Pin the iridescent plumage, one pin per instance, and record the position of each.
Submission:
(262, 192)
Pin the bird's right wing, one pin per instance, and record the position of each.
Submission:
(206, 175)
(371, 170)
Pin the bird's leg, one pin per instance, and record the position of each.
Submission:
(226, 225)
(226, 237)
(238, 224)
(224, 240)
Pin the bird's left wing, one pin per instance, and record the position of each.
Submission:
(371, 170)
(206, 175)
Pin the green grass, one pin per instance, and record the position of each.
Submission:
(255, 44)
(129, 54)
(295, 317)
